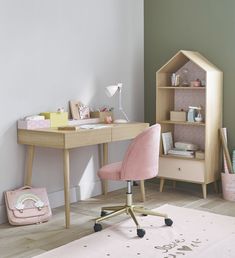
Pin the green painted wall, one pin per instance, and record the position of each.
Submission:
(206, 26)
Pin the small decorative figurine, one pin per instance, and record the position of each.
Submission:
(60, 110)
(108, 120)
(198, 118)
(196, 83)
(192, 114)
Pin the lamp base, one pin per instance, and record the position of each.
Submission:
(120, 121)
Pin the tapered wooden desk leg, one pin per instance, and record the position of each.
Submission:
(204, 190)
(66, 188)
(29, 165)
(162, 180)
(142, 189)
(100, 151)
(104, 162)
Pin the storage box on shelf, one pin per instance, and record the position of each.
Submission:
(179, 116)
(204, 133)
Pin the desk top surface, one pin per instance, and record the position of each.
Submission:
(66, 139)
(82, 130)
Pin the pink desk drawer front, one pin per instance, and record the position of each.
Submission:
(33, 124)
(186, 170)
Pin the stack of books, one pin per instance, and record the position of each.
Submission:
(180, 152)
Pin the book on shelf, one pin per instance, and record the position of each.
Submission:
(167, 142)
(182, 153)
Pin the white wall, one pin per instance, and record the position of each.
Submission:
(52, 51)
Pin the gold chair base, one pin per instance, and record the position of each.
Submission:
(129, 210)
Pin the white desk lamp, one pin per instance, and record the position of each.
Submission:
(110, 92)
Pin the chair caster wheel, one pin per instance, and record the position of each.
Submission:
(140, 232)
(97, 227)
(168, 222)
(103, 213)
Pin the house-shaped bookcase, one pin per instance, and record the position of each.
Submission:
(190, 66)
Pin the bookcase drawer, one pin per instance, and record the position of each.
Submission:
(182, 169)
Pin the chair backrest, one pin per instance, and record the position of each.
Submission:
(142, 156)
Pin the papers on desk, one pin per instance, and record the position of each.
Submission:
(93, 126)
(84, 121)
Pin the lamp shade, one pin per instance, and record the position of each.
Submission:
(111, 90)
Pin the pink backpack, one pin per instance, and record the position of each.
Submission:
(27, 205)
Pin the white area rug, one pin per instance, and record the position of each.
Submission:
(193, 234)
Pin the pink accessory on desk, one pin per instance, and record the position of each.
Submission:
(33, 124)
(108, 120)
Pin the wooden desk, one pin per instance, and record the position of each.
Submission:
(67, 140)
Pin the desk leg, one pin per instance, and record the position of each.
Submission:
(142, 189)
(29, 165)
(66, 188)
(162, 180)
(204, 190)
(104, 162)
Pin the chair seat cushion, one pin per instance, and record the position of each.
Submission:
(111, 171)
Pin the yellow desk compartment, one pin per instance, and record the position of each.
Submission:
(57, 118)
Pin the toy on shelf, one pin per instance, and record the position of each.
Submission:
(192, 117)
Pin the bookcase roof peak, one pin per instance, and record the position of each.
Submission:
(184, 56)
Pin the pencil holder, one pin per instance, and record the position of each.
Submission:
(102, 115)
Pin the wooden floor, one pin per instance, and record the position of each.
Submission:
(28, 241)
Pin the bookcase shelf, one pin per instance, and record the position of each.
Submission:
(204, 134)
(181, 88)
(177, 157)
(182, 123)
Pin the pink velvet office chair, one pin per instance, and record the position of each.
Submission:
(140, 163)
